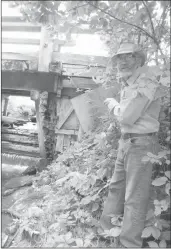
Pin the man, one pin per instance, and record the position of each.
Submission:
(137, 114)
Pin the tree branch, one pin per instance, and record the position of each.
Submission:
(150, 19)
(139, 33)
(163, 16)
(76, 7)
(131, 24)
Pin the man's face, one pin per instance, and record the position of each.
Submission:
(127, 63)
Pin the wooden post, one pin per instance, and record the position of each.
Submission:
(45, 54)
(5, 106)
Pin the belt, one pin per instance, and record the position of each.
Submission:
(131, 135)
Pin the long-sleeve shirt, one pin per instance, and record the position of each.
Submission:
(139, 107)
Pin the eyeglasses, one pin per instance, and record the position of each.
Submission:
(126, 57)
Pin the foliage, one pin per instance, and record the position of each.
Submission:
(146, 22)
(73, 188)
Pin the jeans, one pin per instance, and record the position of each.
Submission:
(129, 190)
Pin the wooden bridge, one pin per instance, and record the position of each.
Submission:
(52, 79)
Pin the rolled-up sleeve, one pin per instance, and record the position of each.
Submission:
(129, 110)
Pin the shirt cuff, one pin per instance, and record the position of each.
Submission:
(116, 110)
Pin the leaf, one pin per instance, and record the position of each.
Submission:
(162, 244)
(35, 212)
(68, 236)
(167, 188)
(79, 242)
(152, 244)
(86, 200)
(168, 163)
(158, 210)
(168, 173)
(95, 207)
(159, 181)
(155, 232)
(164, 223)
(115, 232)
(165, 81)
(166, 235)
(146, 232)
(151, 155)
(81, 11)
(87, 242)
(103, 5)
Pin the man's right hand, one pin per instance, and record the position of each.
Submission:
(111, 103)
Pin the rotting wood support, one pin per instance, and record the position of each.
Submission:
(46, 113)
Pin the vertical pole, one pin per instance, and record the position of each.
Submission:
(45, 55)
(6, 100)
(40, 129)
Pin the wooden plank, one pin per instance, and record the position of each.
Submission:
(6, 100)
(20, 41)
(26, 140)
(68, 113)
(19, 28)
(81, 103)
(45, 51)
(40, 130)
(82, 71)
(11, 120)
(20, 153)
(27, 28)
(60, 143)
(41, 81)
(20, 132)
(12, 19)
(80, 59)
(35, 42)
(16, 92)
(16, 147)
(17, 56)
(71, 92)
(79, 82)
(67, 141)
(66, 132)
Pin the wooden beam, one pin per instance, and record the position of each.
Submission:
(40, 130)
(79, 82)
(41, 81)
(66, 132)
(45, 54)
(17, 56)
(17, 19)
(45, 51)
(80, 59)
(16, 92)
(20, 132)
(26, 140)
(20, 148)
(12, 19)
(6, 100)
(27, 81)
(20, 41)
(70, 110)
(19, 28)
